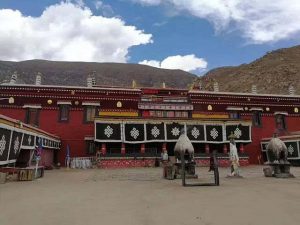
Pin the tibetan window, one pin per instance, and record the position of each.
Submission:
(234, 112)
(64, 113)
(32, 116)
(89, 113)
(256, 119)
(280, 121)
(234, 115)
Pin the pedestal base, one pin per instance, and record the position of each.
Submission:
(234, 177)
(284, 175)
(278, 170)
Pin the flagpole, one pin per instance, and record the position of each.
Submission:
(68, 157)
(38, 156)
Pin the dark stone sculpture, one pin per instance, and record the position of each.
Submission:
(278, 165)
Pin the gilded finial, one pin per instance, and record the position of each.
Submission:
(133, 84)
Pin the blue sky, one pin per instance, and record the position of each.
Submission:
(193, 35)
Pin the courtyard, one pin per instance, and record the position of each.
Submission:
(140, 196)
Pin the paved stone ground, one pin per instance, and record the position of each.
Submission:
(140, 196)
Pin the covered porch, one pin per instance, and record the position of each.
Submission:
(141, 143)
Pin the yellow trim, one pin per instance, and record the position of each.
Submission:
(9, 123)
(125, 114)
(210, 116)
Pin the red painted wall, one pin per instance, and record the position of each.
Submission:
(72, 133)
(265, 131)
(15, 113)
(47, 158)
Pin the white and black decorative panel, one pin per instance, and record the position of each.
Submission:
(214, 133)
(174, 131)
(15, 146)
(28, 141)
(195, 132)
(55, 144)
(160, 131)
(37, 140)
(4, 145)
(46, 142)
(292, 149)
(108, 132)
(155, 132)
(242, 133)
(134, 132)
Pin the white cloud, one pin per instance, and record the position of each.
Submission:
(152, 63)
(67, 31)
(187, 63)
(259, 21)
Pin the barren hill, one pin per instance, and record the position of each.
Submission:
(272, 74)
(111, 74)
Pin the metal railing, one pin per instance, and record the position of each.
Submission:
(81, 162)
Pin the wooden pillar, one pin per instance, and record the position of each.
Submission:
(164, 147)
(207, 149)
(225, 149)
(123, 150)
(242, 150)
(103, 148)
(143, 148)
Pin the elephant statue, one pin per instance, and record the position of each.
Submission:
(277, 150)
(184, 148)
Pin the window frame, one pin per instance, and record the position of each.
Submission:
(28, 115)
(257, 114)
(61, 106)
(237, 113)
(283, 121)
(85, 113)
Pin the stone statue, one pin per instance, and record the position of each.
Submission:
(184, 148)
(184, 152)
(278, 165)
(234, 158)
(277, 150)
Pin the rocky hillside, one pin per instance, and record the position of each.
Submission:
(273, 74)
(111, 74)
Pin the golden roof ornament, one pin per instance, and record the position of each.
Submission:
(133, 84)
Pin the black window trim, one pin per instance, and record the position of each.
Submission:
(85, 113)
(259, 114)
(60, 112)
(283, 114)
(37, 116)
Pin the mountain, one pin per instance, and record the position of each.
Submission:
(106, 74)
(272, 74)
